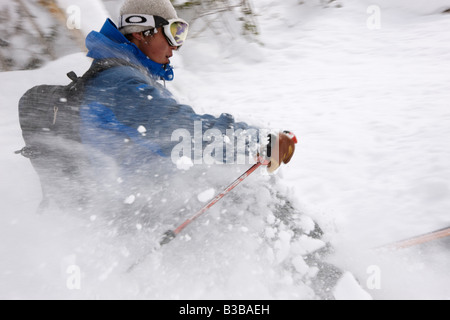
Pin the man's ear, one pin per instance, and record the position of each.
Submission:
(138, 36)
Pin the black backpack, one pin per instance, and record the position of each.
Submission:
(49, 117)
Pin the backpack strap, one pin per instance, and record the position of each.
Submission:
(96, 68)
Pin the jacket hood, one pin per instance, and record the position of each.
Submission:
(111, 43)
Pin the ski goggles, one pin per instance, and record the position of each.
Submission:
(175, 30)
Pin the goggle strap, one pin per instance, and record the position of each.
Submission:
(144, 20)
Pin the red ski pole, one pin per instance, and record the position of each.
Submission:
(171, 234)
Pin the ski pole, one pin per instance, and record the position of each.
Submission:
(431, 236)
(171, 234)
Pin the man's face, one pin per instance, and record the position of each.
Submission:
(157, 48)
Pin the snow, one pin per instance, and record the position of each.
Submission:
(348, 288)
(130, 199)
(206, 195)
(184, 163)
(370, 108)
(142, 129)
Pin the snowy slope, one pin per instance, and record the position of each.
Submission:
(370, 108)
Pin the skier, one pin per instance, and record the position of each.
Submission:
(128, 118)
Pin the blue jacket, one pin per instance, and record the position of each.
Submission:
(123, 100)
